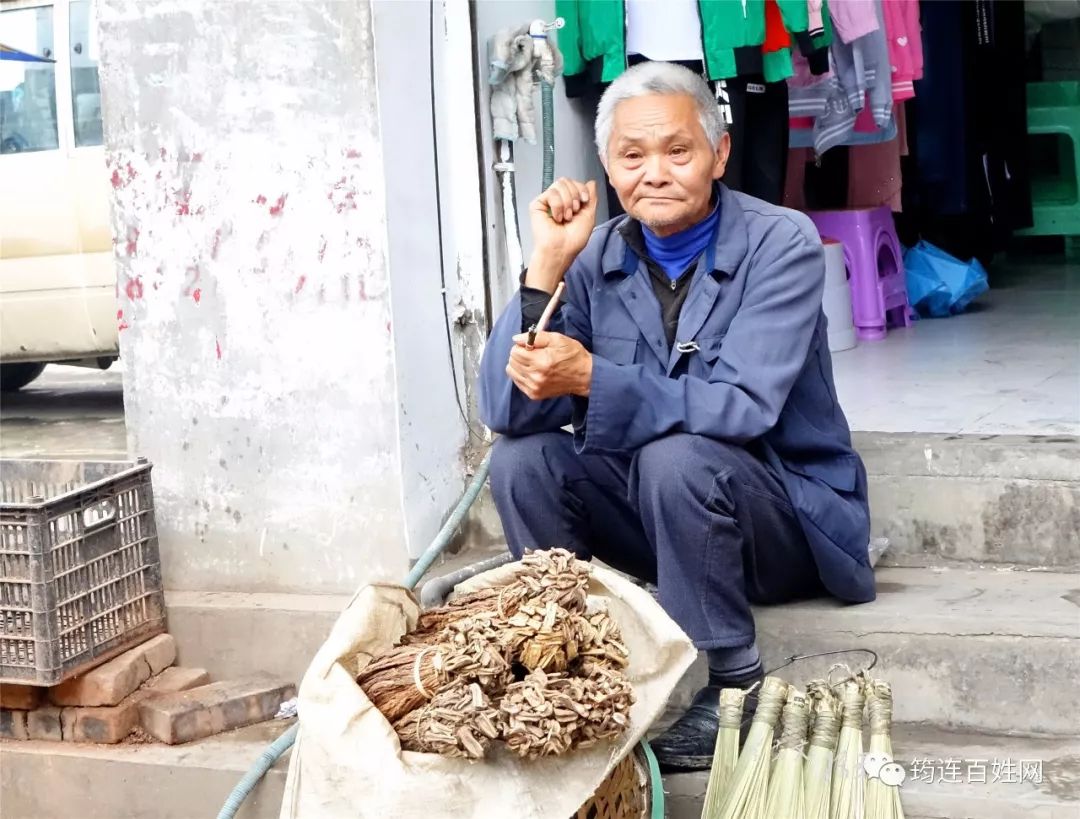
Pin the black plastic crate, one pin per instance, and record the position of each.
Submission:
(80, 574)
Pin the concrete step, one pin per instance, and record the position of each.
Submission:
(954, 499)
(949, 500)
(59, 780)
(982, 649)
(986, 650)
(954, 791)
(231, 634)
(42, 780)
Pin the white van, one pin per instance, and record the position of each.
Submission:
(57, 277)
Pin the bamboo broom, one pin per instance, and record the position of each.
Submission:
(726, 754)
(750, 782)
(882, 800)
(786, 798)
(824, 732)
(848, 779)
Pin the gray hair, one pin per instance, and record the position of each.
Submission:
(657, 78)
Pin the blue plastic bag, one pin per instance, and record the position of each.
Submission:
(939, 284)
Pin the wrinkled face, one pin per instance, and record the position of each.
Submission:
(660, 162)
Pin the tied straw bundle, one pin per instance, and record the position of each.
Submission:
(786, 798)
(824, 733)
(549, 576)
(750, 783)
(456, 683)
(726, 754)
(403, 679)
(458, 721)
(547, 714)
(882, 799)
(848, 778)
(408, 676)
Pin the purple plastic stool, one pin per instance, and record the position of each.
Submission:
(875, 267)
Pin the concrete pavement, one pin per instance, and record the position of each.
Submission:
(66, 413)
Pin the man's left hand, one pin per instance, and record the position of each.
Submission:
(555, 366)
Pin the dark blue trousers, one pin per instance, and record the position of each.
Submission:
(708, 522)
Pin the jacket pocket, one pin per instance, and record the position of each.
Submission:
(702, 362)
(616, 350)
(839, 472)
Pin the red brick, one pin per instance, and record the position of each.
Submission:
(108, 684)
(20, 697)
(44, 723)
(109, 724)
(177, 678)
(106, 724)
(160, 652)
(13, 724)
(211, 709)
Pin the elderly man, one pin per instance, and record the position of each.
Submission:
(708, 453)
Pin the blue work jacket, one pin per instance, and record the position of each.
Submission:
(750, 363)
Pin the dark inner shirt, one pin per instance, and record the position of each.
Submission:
(670, 294)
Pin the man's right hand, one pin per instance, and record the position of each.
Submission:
(562, 219)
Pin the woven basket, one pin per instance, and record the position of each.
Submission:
(623, 795)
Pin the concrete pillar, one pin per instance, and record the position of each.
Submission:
(272, 264)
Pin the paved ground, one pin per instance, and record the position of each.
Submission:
(1008, 366)
(68, 412)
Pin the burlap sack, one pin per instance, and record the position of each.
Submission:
(348, 763)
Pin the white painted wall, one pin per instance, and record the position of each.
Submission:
(575, 154)
(276, 236)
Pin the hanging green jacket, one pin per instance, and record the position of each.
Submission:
(593, 41)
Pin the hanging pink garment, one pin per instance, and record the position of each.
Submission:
(904, 36)
(864, 122)
(853, 18)
(816, 18)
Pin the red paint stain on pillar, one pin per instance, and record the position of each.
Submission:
(279, 206)
(197, 156)
(300, 283)
(115, 179)
(217, 347)
(197, 294)
(130, 172)
(183, 199)
(132, 240)
(352, 153)
(121, 324)
(161, 153)
(260, 200)
(134, 289)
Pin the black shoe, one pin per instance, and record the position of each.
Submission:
(689, 744)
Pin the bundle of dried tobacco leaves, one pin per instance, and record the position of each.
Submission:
(458, 721)
(529, 663)
(548, 714)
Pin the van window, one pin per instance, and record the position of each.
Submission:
(28, 89)
(85, 91)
